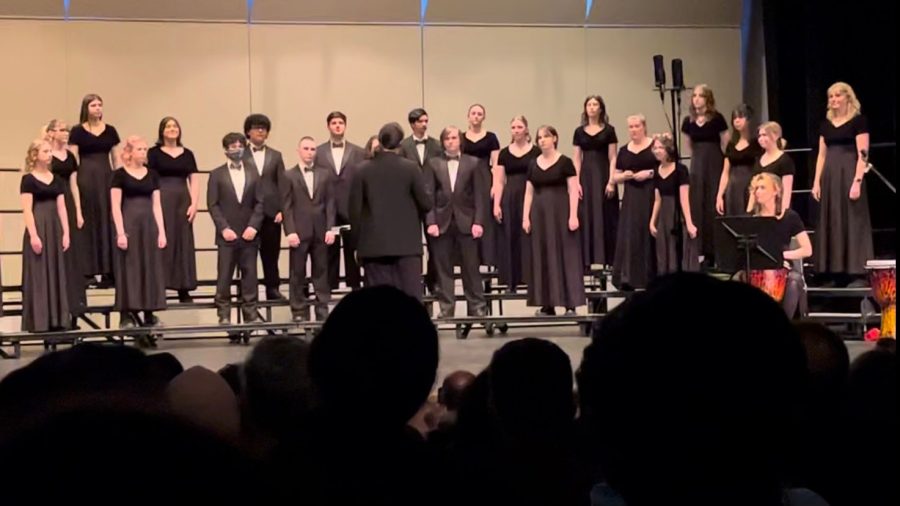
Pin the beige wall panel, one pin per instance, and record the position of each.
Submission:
(624, 75)
(301, 73)
(344, 11)
(538, 72)
(231, 10)
(569, 12)
(32, 8)
(33, 65)
(666, 12)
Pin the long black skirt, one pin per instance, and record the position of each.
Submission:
(844, 233)
(513, 245)
(557, 272)
(706, 171)
(139, 274)
(668, 228)
(737, 192)
(598, 215)
(45, 301)
(75, 266)
(179, 257)
(94, 176)
(635, 261)
(488, 244)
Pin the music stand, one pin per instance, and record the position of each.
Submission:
(738, 244)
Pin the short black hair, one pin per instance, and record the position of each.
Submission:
(336, 114)
(231, 138)
(390, 136)
(415, 114)
(255, 120)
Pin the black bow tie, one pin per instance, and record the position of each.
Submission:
(307, 169)
(417, 141)
(257, 149)
(453, 157)
(337, 145)
(235, 166)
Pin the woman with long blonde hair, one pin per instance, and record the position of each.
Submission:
(512, 167)
(140, 239)
(65, 166)
(844, 233)
(787, 235)
(45, 304)
(707, 137)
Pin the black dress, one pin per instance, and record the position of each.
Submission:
(45, 301)
(635, 260)
(179, 257)
(514, 248)
(75, 255)
(781, 167)
(140, 279)
(94, 176)
(557, 274)
(598, 215)
(741, 161)
(482, 150)
(670, 226)
(707, 161)
(844, 231)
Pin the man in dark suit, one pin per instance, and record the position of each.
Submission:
(341, 158)
(309, 214)
(455, 222)
(388, 202)
(270, 167)
(420, 147)
(234, 200)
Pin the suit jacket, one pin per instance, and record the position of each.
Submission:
(308, 217)
(271, 179)
(353, 156)
(388, 202)
(223, 205)
(466, 203)
(409, 151)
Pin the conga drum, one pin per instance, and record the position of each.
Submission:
(771, 281)
(883, 278)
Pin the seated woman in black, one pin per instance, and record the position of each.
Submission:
(787, 235)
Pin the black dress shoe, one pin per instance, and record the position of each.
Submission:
(545, 311)
(274, 294)
(184, 297)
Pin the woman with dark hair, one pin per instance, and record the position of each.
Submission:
(844, 233)
(140, 239)
(595, 150)
(707, 136)
(635, 167)
(45, 304)
(551, 218)
(484, 145)
(672, 223)
(94, 142)
(740, 156)
(65, 166)
(371, 147)
(512, 165)
(179, 185)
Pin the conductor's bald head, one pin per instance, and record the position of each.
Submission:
(390, 136)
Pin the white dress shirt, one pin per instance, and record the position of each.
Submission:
(238, 178)
(259, 157)
(453, 169)
(308, 177)
(420, 148)
(338, 155)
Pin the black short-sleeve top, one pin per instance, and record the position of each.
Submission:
(64, 168)
(746, 157)
(165, 165)
(778, 238)
(133, 187)
(670, 185)
(89, 143)
(554, 175)
(481, 149)
(513, 164)
(782, 166)
(40, 190)
(597, 142)
(708, 132)
(844, 135)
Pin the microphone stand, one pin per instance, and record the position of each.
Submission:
(870, 167)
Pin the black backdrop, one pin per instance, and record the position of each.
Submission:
(810, 44)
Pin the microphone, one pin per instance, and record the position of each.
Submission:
(659, 75)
